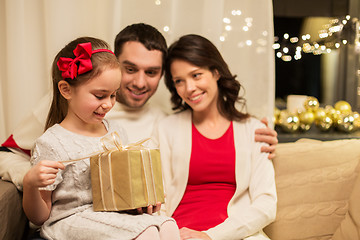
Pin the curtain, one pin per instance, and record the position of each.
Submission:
(32, 32)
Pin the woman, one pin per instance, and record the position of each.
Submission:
(218, 183)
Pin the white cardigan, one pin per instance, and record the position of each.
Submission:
(253, 205)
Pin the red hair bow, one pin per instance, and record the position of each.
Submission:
(80, 64)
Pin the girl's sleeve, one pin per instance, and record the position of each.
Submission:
(44, 151)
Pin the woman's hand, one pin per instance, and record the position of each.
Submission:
(187, 233)
(43, 173)
(268, 136)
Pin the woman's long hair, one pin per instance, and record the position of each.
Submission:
(200, 52)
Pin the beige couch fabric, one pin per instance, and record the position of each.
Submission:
(12, 218)
(350, 226)
(314, 181)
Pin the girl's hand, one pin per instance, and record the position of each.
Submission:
(269, 136)
(150, 209)
(187, 233)
(43, 173)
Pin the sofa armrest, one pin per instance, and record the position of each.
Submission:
(13, 166)
(12, 217)
(314, 180)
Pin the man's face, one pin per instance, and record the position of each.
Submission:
(141, 72)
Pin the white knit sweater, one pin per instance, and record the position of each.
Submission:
(254, 204)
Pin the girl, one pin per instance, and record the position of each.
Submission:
(86, 76)
(218, 183)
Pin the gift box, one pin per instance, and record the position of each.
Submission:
(125, 179)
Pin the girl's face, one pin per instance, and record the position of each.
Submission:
(89, 102)
(195, 85)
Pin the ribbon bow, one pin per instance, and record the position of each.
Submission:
(80, 64)
(112, 142)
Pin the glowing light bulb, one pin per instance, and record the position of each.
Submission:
(276, 46)
(294, 40)
(228, 28)
(226, 20)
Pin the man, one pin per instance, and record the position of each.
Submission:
(141, 50)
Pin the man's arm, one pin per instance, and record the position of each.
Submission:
(269, 136)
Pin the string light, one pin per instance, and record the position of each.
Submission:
(227, 20)
(228, 28)
(330, 37)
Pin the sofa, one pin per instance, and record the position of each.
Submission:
(318, 185)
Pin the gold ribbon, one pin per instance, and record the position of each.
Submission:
(111, 142)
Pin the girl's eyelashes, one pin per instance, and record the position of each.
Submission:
(112, 95)
(99, 96)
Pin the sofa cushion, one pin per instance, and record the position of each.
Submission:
(314, 180)
(349, 228)
(13, 167)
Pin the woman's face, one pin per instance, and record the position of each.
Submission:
(196, 86)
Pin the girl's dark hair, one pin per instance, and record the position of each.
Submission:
(100, 61)
(200, 52)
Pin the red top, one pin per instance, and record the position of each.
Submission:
(211, 182)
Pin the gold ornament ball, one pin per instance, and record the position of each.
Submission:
(304, 127)
(346, 123)
(307, 117)
(333, 113)
(320, 113)
(311, 103)
(330, 110)
(356, 120)
(290, 122)
(356, 114)
(276, 116)
(343, 107)
(282, 116)
(324, 124)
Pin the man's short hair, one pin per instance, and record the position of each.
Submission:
(147, 35)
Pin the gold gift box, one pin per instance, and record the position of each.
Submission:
(126, 179)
